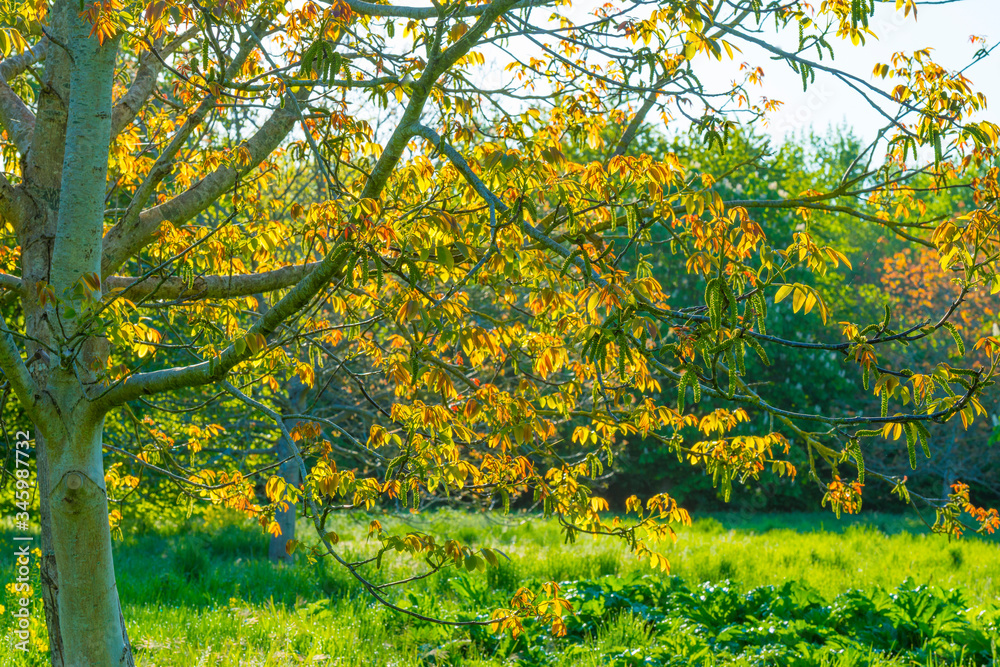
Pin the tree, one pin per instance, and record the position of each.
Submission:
(447, 263)
(916, 279)
(800, 380)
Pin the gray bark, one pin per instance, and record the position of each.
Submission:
(49, 568)
(289, 471)
(91, 625)
(65, 172)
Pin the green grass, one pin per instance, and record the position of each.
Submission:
(204, 594)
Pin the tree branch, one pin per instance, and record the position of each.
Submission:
(13, 203)
(136, 228)
(376, 591)
(207, 287)
(133, 233)
(332, 264)
(17, 374)
(534, 233)
(633, 127)
(9, 282)
(80, 215)
(14, 65)
(401, 12)
(216, 369)
(150, 65)
(15, 117)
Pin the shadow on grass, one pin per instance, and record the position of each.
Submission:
(207, 568)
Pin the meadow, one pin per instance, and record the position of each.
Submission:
(743, 590)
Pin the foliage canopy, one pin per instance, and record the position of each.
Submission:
(419, 243)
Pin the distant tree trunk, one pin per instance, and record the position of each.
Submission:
(289, 471)
(948, 467)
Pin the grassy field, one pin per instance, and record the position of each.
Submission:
(764, 590)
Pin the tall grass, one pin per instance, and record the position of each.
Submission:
(203, 593)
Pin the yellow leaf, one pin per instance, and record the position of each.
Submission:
(408, 311)
(275, 489)
(798, 299)
(783, 292)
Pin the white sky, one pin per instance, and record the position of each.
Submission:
(945, 28)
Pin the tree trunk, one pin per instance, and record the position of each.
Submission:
(49, 571)
(90, 622)
(947, 460)
(64, 177)
(289, 471)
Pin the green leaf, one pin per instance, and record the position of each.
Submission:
(508, 161)
(681, 388)
(760, 310)
(364, 268)
(958, 338)
(713, 299)
(473, 562)
(911, 443)
(759, 349)
(445, 257)
(854, 449)
(925, 437)
(568, 262)
(632, 219)
(255, 342)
